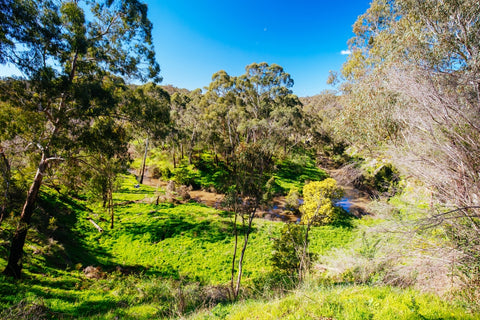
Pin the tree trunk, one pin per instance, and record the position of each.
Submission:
(6, 178)
(144, 162)
(304, 259)
(174, 161)
(14, 266)
(110, 207)
(242, 254)
(235, 232)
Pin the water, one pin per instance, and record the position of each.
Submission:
(344, 203)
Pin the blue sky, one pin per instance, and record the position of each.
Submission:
(195, 39)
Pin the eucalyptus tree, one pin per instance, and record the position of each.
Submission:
(17, 22)
(222, 116)
(147, 107)
(74, 63)
(413, 79)
(186, 126)
(271, 111)
(105, 155)
(257, 107)
(251, 115)
(251, 170)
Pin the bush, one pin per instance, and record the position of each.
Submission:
(162, 172)
(185, 175)
(287, 249)
(292, 201)
(384, 181)
(319, 197)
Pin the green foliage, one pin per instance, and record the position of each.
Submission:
(214, 173)
(148, 109)
(186, 175)
(287, 250)
(168, 261)
(161, 172)
(383, 181)
(294, 173)
(292, 201)
(154, 253)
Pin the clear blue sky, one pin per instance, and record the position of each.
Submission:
(196, 38)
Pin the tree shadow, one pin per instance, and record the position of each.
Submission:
(56, 225)
(170, 225)
(292, 171)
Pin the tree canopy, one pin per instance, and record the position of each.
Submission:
(74, 58)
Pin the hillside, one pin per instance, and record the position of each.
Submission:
(170, 260)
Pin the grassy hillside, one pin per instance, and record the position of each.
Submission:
(172, 261)
(153, 251)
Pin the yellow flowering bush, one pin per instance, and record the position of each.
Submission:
(319, 197)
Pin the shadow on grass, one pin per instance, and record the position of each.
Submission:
(170, 225)
(63, 246)
(290, 170)
(343, 219)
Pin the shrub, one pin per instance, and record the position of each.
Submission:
(185, 175)
(319, 197)
(287, 249)
(383, 181)
(161, 172)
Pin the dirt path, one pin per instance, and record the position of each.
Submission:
(355, 200)
(275, 213)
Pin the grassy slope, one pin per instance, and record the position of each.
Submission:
(173, 258)
(189, 242)
(343, 302)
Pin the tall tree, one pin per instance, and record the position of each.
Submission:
(414, 79)
(256, 106)
(250, 117)
(17, 22)
(148, 109)
(73, 64)
(251, 169)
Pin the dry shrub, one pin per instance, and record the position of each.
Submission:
(184, 192)
(389, 257)
(188, 297)
(175, 194)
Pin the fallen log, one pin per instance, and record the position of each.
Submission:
(95, 225)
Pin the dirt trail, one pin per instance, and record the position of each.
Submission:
(355, 200)
(275, 213)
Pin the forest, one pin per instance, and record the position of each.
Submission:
(122, 198)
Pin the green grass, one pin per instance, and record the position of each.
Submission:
(164, 261)
(207, 172)
(293, 174)
(348, 303)
(165, 244)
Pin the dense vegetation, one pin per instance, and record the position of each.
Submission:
(97, 175)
